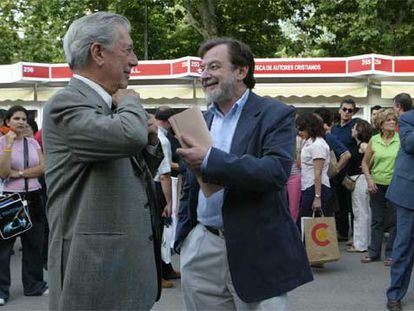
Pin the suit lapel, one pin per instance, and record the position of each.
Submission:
(91, 94)
(246, 124)
(208, 117)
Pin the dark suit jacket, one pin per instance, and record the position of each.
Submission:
(266, 256)
(402, 184)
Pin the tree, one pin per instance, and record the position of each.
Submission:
(359, 26)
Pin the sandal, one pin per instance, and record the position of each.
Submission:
(388, 262)
(367, 259)
(352, 249)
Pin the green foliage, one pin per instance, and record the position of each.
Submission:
(32, 30)
(360, 26)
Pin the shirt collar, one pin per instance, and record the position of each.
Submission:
(238, 105)
(163, 130)
(96, 87)
(395, 139)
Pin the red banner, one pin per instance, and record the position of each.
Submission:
(300, 67)
(152, 69)
(189, 66)
(403, 65)
(383, 64)
(35, 71)
(180, 67)
(61, 72)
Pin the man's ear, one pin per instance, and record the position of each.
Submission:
(242, 72)
(96, 51)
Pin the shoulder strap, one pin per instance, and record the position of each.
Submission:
(25, 161)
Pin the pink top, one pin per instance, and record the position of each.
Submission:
(17, 184)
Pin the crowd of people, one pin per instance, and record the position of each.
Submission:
(108, 167)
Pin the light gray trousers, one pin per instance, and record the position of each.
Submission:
(205, 277)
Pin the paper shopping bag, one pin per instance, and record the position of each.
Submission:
(319, 236)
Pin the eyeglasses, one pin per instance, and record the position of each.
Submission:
(350, 110)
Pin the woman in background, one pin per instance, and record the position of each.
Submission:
(17, 176)
(361, 133)
(314, 166)
(378, 167)
(293, 187)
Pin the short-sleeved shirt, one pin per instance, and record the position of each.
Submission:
(17, 164)
(312, 150)
(344, 133)
(336, 145)
(165, 165)
(384, 158)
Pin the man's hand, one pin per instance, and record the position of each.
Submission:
(167, 211)
(194, 154)
(121, 93)
(152, 132)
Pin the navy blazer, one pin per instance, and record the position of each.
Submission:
(265, 254)
(402, 184)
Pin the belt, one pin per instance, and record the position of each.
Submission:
(215, 231)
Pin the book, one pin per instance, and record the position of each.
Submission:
(190, 122)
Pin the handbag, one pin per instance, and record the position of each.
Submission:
(14, 213)
(349, 183)
(333, 169)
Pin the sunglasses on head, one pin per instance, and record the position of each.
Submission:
(350, 110)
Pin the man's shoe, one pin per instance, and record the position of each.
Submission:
(173, 275)
(166, 284)
(2, 301)
(46, 292)
(394, 305)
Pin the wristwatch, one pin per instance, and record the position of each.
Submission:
(20, 173)
(318, 196)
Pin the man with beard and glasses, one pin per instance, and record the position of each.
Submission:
(240, 249)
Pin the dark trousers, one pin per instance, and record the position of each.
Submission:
(166, 269)
(308, 195)
(344, 202)
(402, 254)
(383, 218)
(32, 261)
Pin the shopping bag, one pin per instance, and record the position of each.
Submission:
(14, 216)
(319, 236)
(167, 237)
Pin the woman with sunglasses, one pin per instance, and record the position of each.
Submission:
(14, 173)
(378, 167)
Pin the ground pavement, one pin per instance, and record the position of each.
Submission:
(347, 285)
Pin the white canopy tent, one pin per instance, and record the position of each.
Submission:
(305, 83)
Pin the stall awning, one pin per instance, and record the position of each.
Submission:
(25, 94)
(389, 89)
(311, 89)
(189, 92)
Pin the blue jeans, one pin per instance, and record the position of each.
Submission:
(308, 195)
(402, 254)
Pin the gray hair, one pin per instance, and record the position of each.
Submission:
(97, 27)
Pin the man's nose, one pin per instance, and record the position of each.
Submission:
(205, 74)
(133, 61)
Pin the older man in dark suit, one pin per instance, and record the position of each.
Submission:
(98, 152)
(400, 193)
(239, 247)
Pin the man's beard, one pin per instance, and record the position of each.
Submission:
(224, 93)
